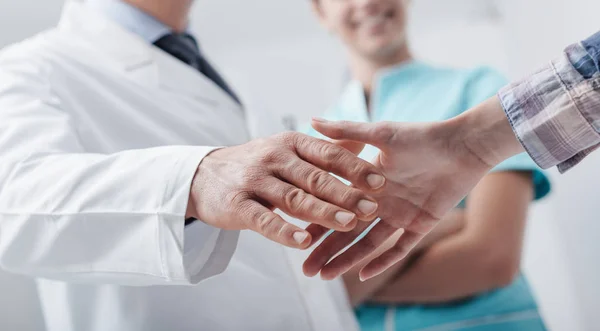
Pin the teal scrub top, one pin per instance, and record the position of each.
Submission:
(417, 92)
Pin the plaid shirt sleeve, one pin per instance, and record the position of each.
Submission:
(555, 112)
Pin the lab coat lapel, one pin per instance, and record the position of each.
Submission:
(136, 58)
(108, 41)
(181, 78)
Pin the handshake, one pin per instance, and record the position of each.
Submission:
(421, 173)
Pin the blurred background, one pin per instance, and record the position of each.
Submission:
(275, 52)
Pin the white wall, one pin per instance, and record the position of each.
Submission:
(571, 212)
(19, 307)
(297, 68)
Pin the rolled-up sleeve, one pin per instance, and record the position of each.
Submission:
(555, 112)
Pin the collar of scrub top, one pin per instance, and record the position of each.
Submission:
(353, 99)
(131, 18)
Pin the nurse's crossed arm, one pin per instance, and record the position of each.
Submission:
(238, 187)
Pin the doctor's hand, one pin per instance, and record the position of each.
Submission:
(429, 169)
(239, 187)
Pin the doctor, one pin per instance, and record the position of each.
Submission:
(109, 143)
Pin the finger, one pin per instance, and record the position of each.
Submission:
(326, 187)
(353, 147)
(297, 203)
(423, 223)
(399, 251)
(262, 220)
(359, 251)
(376, 134)
(331, 246)
(317, 232)
(340, 161)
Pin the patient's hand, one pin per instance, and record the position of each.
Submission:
(428, 170)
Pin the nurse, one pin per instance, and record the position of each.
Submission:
(465, 274)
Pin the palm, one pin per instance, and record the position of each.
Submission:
(426, 177)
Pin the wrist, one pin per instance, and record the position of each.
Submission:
(485, 131)
(198, 181)
(191, 206)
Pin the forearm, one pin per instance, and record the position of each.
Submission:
(454, 268)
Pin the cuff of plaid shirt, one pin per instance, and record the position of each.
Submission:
(554, 112)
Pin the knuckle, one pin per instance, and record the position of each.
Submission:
(295, 198)
(250, 178)
(350, 195)
(331, 154)
(318, 181)
(236, 198)
(261, 141)
(288, 138)
(322, 211)
(275, 155)
(284, 231)
(272, 156)
(360, 167)
(265, 222)
(384, 132)
(245, 215)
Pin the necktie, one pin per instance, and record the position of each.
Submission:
(185, 48)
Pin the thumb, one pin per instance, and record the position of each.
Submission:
(366, 133)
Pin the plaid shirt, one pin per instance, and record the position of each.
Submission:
(555, 112)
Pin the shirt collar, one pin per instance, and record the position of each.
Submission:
(131, 18)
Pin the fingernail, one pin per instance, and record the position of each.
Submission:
(362, 277)
(319, 119)
(300, 237)
(344, 218)
(367, 207)
(375, 181)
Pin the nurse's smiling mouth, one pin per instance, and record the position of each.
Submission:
(374, 24)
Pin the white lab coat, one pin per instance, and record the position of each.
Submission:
(100, 136)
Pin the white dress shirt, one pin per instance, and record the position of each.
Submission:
(131, 18)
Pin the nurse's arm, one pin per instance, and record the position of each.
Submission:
(483, 256)
(360, 291)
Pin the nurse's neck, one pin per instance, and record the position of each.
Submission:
(365, 68)
(173, 13)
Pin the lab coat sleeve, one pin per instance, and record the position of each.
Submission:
(71, 215)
